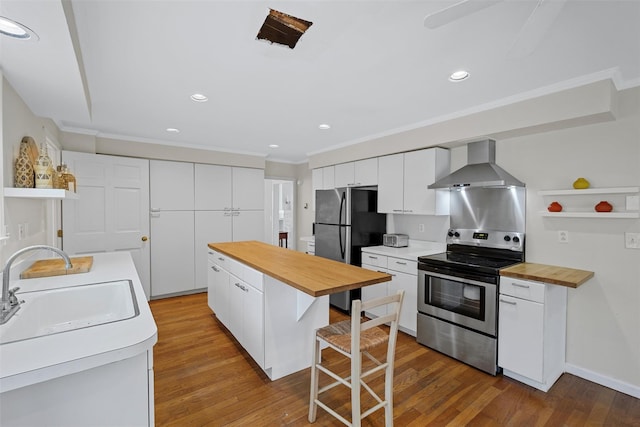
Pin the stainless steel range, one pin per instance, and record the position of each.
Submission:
(458, 290)
(458, 294)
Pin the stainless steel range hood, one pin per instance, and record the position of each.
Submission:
(481, 170)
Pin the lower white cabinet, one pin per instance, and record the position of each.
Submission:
(236, 296)
(404, 277)
(532, 331)
(172, 252)
(273, 321)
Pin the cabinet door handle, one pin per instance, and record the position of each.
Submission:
(520, 286)
(401, 263)
(508, 302)
(398, 210)
(221, 259)
(372, 257)
(213, 267)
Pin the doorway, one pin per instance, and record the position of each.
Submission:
(280, 224)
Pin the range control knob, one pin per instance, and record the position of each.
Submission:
(516, 239)
(450, 233)
(507, 238)
(456, 234)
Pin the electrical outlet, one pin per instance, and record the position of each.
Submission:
(421, 228)
(632, 240)
(563, 236)
(21, 231)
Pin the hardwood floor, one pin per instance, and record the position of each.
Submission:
(204, 378)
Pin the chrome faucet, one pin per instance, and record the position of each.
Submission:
(9, 302)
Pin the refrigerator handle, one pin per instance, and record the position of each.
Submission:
(340, 224)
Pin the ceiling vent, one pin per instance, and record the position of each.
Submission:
(283, 29)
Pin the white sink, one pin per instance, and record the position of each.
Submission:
(66, 309)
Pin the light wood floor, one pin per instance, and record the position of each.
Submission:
(204, 378)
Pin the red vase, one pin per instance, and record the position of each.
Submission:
(604, 207)
(554, 207)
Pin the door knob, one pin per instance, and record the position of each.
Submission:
(145, 238)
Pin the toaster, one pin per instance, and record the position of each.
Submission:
(395, 240)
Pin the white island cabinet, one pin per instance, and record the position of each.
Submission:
(95, 376)
(273, 299)
(531, 331)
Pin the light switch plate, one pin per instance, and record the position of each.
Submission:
(633, 203)
(632, 240)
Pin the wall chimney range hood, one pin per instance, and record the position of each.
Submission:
(481, 170)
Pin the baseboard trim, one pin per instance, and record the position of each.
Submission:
(621, 386)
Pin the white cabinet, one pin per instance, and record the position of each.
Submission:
(404, 277)
(357, 174)
(213, 190)
(322, 179)
(171, 186)
(224, 203)
(403, 180)
(172, 252)
(531, 331)
(236, 297)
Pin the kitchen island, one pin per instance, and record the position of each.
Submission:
(272, 299)
(91, 375)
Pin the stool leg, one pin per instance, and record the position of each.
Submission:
(315, 373)
(356, 366)
(388, 395)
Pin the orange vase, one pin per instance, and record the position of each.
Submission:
(604, 206)
(554, 207)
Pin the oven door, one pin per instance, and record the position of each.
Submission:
(462, 301)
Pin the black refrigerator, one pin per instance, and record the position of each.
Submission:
(346, 221)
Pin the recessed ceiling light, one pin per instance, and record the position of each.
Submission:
(173, 130)
(16, 30)
(324, 126)
(198, 97)
(274, 146)
(458, 76)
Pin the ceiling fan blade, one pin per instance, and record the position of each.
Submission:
(538, 24)
(456, 11)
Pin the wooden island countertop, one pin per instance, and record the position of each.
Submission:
(555, 275)
(315, 276)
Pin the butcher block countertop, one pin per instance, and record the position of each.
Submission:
(555, 275)
(312, 275)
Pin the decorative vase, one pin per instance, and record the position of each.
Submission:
(554, 207)
(604, 206)
(44, 169)
(581, 184)
(24, 168)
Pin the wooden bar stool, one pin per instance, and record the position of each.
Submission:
(362, 336)
(283, 236)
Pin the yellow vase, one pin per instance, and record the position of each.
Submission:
(581, 184)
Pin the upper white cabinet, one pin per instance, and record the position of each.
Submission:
(172, 186)
(248, 189)
(228, 188)
(403, 180)
(357, 174)
(322, 179)
(212, 187)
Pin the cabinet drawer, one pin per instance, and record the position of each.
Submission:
(374, 260)
(525, 289)
(219, 259)
(253, 278)
(403, 265)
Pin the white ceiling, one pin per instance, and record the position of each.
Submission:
(126, 69)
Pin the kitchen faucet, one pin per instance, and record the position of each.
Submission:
(9, 302)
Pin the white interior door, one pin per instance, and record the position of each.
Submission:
(112, 212)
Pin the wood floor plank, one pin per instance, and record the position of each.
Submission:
(203, 377)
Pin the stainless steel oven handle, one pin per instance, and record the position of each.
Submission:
(508, 302)
(456, 279)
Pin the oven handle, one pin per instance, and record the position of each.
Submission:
(456, 279)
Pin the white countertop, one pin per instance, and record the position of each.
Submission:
(39, 359)
(416, 248)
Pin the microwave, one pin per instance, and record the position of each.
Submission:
(395, 240)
